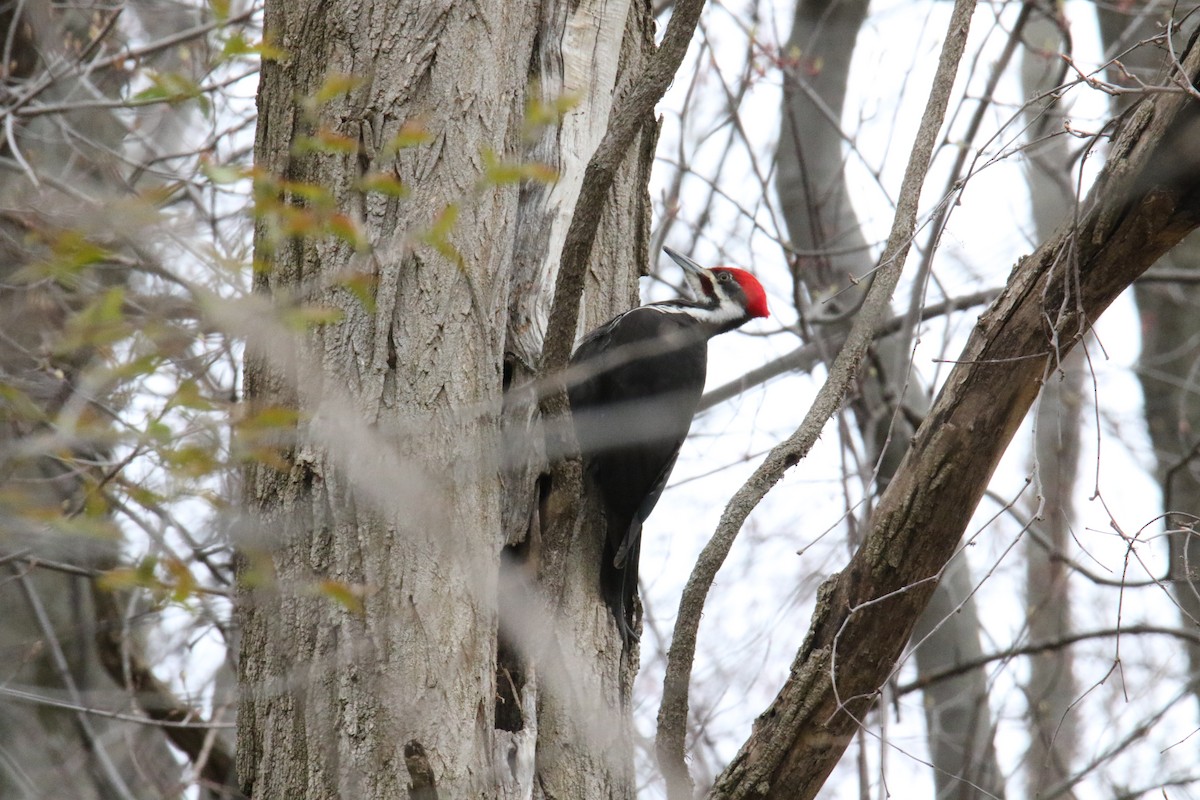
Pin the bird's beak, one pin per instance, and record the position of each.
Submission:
(698, 278)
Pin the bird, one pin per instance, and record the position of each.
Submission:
(634, 386)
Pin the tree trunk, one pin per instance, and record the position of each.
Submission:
(1168, 367)
(1051, 689)
(390, 497)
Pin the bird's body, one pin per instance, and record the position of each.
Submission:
(637, 382)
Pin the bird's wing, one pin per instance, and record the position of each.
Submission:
(632, 403)
(643, 513)
(582, 387)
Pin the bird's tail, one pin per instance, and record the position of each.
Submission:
(619, 585)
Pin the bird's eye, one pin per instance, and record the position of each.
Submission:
(724, 276)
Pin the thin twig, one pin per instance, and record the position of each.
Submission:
(955, 183)
(92, 740)
(1035, 648)
(53, 702)
(806, 356)
(672, 717)
(210, 757)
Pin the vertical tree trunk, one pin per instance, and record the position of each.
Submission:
(1051, 689)
(1168, 367)
(390, 496)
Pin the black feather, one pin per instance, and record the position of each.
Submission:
(637, 382)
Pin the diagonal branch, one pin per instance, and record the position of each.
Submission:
(672, 717)
(199, 742)
(94, 743)
(1146, 199)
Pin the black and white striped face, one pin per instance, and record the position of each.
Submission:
(726, 295)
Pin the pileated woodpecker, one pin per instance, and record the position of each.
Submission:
(639, 379)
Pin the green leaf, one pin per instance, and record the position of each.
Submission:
(498, 172)
(541, 113)
(70, 254)
(269, 418)
(144, 497)
(438, 235)
(221, 174)
(188, 395)
(383, 183)
(101, 322)
(184, 581)
(334, 86)
(304, 317)
(363, 286)
(15, 405)
(412, 134)
(117, 579)
(144, 571)
(238, 46)
(345, 594)
(313, 193)
(190, 460)
(174, 88)
(348, 230)
(325, 141)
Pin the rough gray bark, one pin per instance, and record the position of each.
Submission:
(1138, 210)
(823, 226)
(392, 484)
(1051, 689)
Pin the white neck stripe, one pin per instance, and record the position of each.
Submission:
(715, 315)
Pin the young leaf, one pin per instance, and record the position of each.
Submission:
(412, 133)
(383, 183)
(343, 593)
(335, 85)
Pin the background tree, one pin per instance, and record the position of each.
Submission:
(108, 382)
(833, 252)
(416, 562)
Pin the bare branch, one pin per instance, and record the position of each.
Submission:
(54, 702)
(672, 718)
(1137, 210)
(1034, 648)
(95, 743)
(805, 357)
(199, 743)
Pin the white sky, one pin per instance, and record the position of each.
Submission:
(759, 610)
